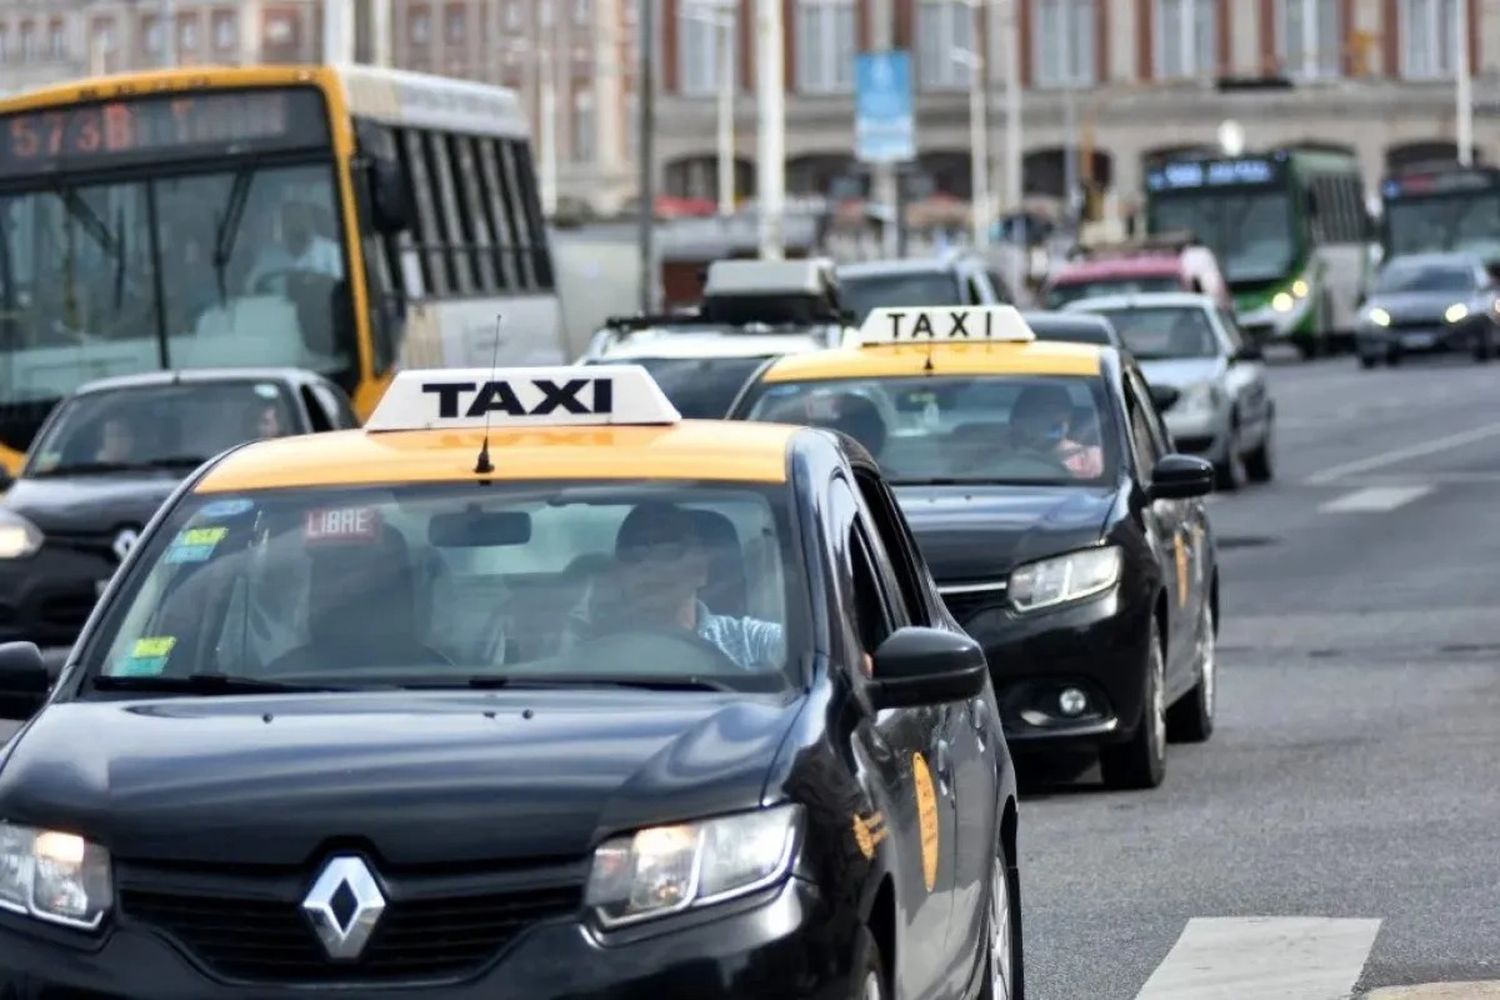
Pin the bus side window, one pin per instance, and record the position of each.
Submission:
(500, 222)
(429, 244)
(515, 212)
(476, 210)
(541, 260)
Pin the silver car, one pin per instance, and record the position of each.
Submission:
(1208, 378)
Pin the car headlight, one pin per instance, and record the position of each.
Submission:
(1378, 316)
(1282, 302)
(57, 877)
(1300, 288)
(1064, 578)
(19, 538)
(1456, 312)
(1201, 396)
(667, 869)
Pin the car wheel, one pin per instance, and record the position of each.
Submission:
(1141, 762)
(1191, 720)
(1307, 346)
(1484, 345)
(1369, 360)
(1004, 970)
(1230, 473)
(869, 980)
(1260, 464)
(1393, 356)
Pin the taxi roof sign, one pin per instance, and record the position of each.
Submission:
(445, 398)
(944, 324)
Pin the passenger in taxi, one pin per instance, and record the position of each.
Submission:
(660, 569)
(116, 441)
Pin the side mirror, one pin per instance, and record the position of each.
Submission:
(390, 196)
(1164, 396)
(927, 666)
(1181, 477)
(1249, 352)
(24, 680)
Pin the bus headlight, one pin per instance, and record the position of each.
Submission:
(1282, 302)
(19, 538)
(1300, 288)
(57, 877)
(1456, 313)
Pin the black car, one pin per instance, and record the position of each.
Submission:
(105, 459)
(1077, 328)
(1064, 533)
(656, 708)
(1425, 303)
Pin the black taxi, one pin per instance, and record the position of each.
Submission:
(528, 689)
(1063, 532)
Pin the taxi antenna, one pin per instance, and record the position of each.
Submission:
(927, 366)
(484, 466)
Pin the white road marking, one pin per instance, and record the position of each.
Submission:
(1486, 990)
(1398, 455)
(1375, 498)
(1434, 478)
(1263, 958)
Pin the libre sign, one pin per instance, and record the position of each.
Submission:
(883, 129)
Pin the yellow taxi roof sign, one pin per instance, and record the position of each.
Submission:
(522, 397)
(945, 324)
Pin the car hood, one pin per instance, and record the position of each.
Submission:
(92, 503)
(422, 777)
(1418, 307)
(976, 533)
(1180, 373)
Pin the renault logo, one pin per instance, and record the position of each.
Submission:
(344, 905)
(124, 542)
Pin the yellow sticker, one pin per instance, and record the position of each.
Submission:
(203, 536)
(927, 818)
(1182, 571)
(154, 646)
(869, 831)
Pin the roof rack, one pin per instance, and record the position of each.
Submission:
(1169, 242)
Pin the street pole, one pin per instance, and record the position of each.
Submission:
(547, 115)
(979, 155)
(1464, 89)
(725, 25)
(380, 32)
(645, 104)
(1070, 120)
(1013, 159)
(168, 33)
(771, 168)
(338, 33)
(883, 39)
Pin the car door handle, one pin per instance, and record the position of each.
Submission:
(944, 764)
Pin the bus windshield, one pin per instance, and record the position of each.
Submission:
(239, 266)
(1253, 232)
(1467, 222)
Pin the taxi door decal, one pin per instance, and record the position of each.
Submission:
(927, 818)
(1182, 569)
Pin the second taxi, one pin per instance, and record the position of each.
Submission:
(529, 689)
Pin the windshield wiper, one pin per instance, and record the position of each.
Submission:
(229, 227)
(92, 468)
(953, 481)
(175, 462)
(206, 684)
(575, 680)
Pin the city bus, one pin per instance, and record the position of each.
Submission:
(345, 220)
(1448, 208)
(1290, 228)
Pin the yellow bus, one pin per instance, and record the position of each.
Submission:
(346, 220)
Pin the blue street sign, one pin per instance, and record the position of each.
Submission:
(883, 128)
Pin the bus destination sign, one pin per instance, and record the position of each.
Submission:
(1188, 175)
(1456, 180)
(156, 126)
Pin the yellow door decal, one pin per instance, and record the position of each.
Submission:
(927, 818)
(1182, 571)
(868, 833)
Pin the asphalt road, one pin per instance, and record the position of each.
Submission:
(1352, 777)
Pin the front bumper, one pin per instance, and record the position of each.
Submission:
(1265, 323)
(1097, 646)
(1204, 433)
(778, 943)
(1419, 338)
(47, 597)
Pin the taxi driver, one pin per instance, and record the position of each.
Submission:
(661, 564)
(1041, 422)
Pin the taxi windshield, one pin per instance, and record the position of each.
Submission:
(1032, 430)
(449, 585)
(159, 426)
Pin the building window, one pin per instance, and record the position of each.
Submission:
(106, 38)
(1310, 39)
(419, 26)
(281, 29)
(455, 25)
(698, 48)
(28, 42)
(945, 34)
(57, 41)
(582, 13)
(512, 16)
(226, 31)
(1185, 39)
(1428, 31)
(825, 46)
(1063, 43)
(187, 34)
(583, 127)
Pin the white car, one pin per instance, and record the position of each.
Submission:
(1208, 378)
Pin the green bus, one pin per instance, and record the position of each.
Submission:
(1291, 231)
(1442, 210)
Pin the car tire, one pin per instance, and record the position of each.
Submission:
(1191, 720)
(868, 979)
(1307, 347)
(1484, 344)
(1229, 475)
(1260, 464)
(1393, 356)
(1004, 968)
(1141, 761)
(1369, 360)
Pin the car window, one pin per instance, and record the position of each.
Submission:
(434, 584)
(1021, 429)
(1157, 332)
(864, 293)
(336, 402)
(1231, 328)
(900, 548)
(318, 417)
(1146, 441)
(1410, 276)
(1061, 294)
(700, 388)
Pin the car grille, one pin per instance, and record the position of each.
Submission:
(965, 602)
(249, 937)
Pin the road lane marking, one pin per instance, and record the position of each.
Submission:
(1489, 989)
(1261, 958)
(1398, 455)
(1375, 498)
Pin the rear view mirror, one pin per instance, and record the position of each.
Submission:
(479, 529)
(1164, 396)
(927, 666)
(24, 680)
(1181, 477)
(391, 196)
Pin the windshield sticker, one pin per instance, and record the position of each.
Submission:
(343, 524)
(225, 508)
(195, 545)
(48, 460)
(148, 657)
(266, 390)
